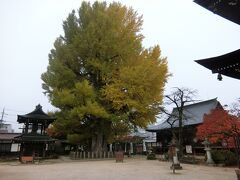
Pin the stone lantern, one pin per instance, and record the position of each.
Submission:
(207, 148)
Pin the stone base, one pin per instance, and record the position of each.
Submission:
(176, 166)
(210, 163)
(213, 165)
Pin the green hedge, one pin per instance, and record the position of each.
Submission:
(151, 156)
(224, 157)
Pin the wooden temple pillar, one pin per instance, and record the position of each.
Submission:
(44, 150)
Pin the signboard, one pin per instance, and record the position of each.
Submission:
(144, 146)
(15, 147)
(189, 149)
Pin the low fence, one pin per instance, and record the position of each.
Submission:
(91, 155)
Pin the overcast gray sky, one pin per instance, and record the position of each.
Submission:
(184, 31)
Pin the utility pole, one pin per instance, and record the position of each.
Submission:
(1, 121)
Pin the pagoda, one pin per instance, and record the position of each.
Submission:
(34, 140)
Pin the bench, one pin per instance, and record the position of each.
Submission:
(26, 159)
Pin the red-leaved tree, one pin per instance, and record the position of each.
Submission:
(219, 126)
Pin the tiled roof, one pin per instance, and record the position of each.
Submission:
(8, 136)
(33, 137)
(193, 114)
(36, 115)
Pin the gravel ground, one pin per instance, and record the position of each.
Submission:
(130, 169)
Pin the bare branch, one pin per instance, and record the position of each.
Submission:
(179, 98)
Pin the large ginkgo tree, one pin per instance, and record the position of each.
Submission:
(101, 78)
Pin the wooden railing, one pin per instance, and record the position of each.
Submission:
(91, 155)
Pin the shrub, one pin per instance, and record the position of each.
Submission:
(217, 156)
(224, 156)
(151, 156)
(231, 158)
(166, 157)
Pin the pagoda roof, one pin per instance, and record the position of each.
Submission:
(33, 137)
(228, 9)
(227, 64)
(36, 115)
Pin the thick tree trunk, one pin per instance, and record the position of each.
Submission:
(99, 140)
(94, 142)
(98, 143)
(104, 144)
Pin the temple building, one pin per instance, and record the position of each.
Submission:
(34, 141)
(193, 116)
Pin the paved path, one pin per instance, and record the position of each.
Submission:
(130, 169)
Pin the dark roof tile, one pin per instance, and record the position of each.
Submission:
(193, 114)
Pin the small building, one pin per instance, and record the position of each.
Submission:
(148, 142)
(193, 116)
(34, 140)
(137, 142)
(7, 147)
